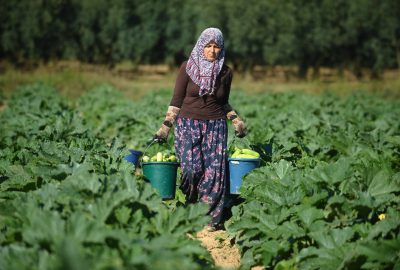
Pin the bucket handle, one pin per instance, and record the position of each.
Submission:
(147, 147)
(145, 150)
(236, 137)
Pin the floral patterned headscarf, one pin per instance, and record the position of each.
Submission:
(200, 70)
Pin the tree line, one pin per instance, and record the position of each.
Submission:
(309, 34)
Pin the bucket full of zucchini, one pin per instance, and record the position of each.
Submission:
(161, 171)
(241, 162)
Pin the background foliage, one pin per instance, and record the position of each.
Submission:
(309, 34)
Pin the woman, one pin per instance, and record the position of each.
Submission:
(199, 107)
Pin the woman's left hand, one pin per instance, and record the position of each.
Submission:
(240, 127)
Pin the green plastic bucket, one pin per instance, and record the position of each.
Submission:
(162, 176)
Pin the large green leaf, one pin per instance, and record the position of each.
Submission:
(381, 254)
(332, 239)
(332, 174)
(384, 182)
(322, 258)
(282, 168)
(308, 215)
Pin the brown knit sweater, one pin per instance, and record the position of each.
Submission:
(208, 107)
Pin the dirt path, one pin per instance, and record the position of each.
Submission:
(221, 247)
(2, 107)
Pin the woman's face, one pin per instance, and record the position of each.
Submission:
(211, 51)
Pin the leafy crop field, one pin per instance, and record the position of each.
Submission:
(325, 197)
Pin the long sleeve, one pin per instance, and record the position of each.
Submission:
(180, 87)
(228, 83)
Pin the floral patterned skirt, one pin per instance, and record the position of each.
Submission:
(200, 146)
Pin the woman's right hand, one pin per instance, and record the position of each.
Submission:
(161, 135)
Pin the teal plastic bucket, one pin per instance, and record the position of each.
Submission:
(162, 176)
(238, 167)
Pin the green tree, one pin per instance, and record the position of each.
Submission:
(148, 34)
(370, 29)
(21, 24)
(90, 21)
(262, 33)
(36, 30)
(245, 38)
(279, 44)
(343, 34)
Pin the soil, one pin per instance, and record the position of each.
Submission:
(222, 248)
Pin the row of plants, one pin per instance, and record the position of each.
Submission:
(328, 197)
(68, 200)
(325, 196)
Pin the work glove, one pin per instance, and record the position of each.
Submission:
(161, 135)
(238, 124)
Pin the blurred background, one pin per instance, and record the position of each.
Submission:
(137, 45)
